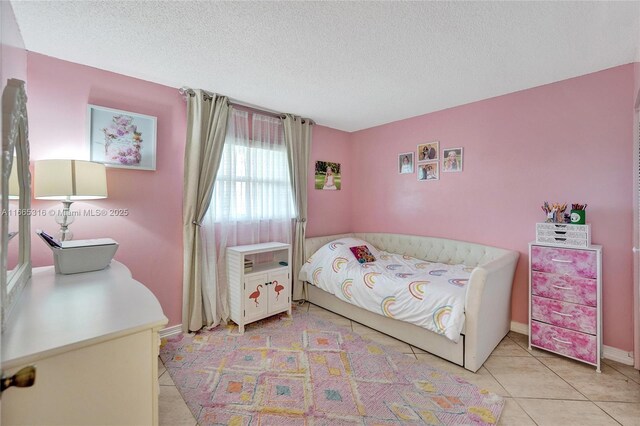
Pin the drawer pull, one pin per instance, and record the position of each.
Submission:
(561, 287)
(562, 314)
(561, 341)
(562, 261)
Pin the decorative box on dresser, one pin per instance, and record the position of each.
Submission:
(259, 277)
(565, 302)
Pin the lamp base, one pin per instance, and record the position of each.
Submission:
(64, 218)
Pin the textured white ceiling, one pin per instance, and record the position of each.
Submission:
(347, 65)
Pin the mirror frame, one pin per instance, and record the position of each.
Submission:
(15, 138)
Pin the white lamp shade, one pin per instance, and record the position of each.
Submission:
(14, 187)
(69, 180)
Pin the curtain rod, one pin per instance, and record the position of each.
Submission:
(187, 91)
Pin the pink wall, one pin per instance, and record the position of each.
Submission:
(568, 142)
(13, 56)
(329, 212)
(150, 237)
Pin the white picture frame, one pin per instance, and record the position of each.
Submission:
(428, 172)
(452, 160)
(405, 168)
(121, 139)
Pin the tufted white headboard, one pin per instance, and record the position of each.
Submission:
(427, 248)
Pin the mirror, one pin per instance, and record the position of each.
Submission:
(15, 141)
(13, 250)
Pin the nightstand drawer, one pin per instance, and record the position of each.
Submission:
(583, 291)
(566, 342)
(563, 314)
(582, 263)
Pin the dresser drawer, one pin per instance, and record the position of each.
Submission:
(566, 342)
(563, 314)
(582, 263)
(564, 287)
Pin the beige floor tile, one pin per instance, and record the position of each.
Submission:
(172, 408)
(527, 377)
(161, 367)
(523, 341)
(418, 350)
(303, 307)
(483, 379)
(627, 370)
(514, 415)
(610, 385)
(380, 338)
(330, 316)
(507, 347)
(627, 413)
(166, 380)
(566, 413)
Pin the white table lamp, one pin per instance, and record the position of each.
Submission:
(69, 181)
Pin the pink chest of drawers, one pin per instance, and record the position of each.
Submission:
(565, 305)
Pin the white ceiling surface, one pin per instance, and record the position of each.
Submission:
(347, 65)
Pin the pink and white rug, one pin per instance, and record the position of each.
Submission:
(308, 371)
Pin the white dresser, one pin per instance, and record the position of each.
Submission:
(93, 338)
(565, 301)
(264, 288)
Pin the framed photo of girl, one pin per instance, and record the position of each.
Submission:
(405, 163)
(327, 176)
(428, 171)
(451, 160)
(428, 151)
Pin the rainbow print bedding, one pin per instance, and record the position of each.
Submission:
(430, 295)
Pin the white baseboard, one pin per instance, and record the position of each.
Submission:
(615, 354)
(608, 352)
(519, 327)
(170, 331)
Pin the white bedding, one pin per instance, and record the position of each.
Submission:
(430, 295)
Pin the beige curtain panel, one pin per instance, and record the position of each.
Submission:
(297, 138)
(207, 116)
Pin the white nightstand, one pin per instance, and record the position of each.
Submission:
(262, 290)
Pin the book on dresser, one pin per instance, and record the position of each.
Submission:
(565, 301)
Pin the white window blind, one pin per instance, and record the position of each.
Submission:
(253, 179)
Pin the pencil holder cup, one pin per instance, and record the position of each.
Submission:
(578, 217)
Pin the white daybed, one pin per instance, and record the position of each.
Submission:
(487, 304)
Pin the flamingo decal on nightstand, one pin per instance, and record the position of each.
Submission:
(278, 288)
(256, 294)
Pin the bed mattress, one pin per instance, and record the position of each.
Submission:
(430, 295)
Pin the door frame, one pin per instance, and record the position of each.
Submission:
(636, 232)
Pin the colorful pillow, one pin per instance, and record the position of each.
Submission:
(363, 254)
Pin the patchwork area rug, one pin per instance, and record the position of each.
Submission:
(306, 370)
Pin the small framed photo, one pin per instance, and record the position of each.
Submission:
(121, 138)
(428, 171)
(428, 151)
(405, 163)
(327, 176)
(451, 160)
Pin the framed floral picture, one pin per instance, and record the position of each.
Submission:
(428, 151)
(451, 160)
(428, 171)
(405, 163)
(121, 138)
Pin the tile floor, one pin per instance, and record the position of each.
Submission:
(540, 388)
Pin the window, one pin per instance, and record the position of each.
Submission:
(253, 180)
